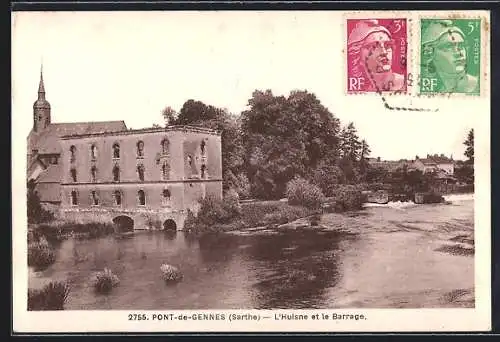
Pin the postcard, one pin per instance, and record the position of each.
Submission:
(267, 171)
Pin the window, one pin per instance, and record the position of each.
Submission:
(203, 169)
(165, 170)
(116, 174)
(118, 197)
(95, 198)
(202, 147)
(72, 150)
(74, 198)
(140, 172)
(73, 174)
(116, 150)
(141, 197)
(165, 144)
(93, 174)
(140, 149)
(93, 152)
(166, 196)
(190, 160)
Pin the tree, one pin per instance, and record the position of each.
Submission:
(469, 144)
(169, 115)
(363, 164)
(286, 137)
(36, 214)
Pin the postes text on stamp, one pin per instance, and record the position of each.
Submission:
(377, 55)
(450, 56)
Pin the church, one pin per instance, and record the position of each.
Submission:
(103, 172)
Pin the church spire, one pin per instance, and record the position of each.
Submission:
(41, 107)
(41, 86)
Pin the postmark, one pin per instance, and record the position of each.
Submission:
(450, 56)
(377, 55)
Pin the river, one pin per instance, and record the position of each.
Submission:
(398, 255)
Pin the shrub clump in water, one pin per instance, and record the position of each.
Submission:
(51, 297)
(104, 281)
(40, 254)
(170, 273)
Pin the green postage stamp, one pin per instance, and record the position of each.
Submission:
(450, 56)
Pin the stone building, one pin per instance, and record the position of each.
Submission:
(102, 172)
(151, 176)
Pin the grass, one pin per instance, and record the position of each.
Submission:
(51, 297)
(170, 273)
(57, 232)
(104, 281)
(40, 255)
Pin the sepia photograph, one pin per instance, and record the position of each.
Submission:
(170, 162)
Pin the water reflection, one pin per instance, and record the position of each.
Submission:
(367, 259)
(301, 265)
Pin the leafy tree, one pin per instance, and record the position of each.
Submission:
(169, 115)
(196, 111)
(285, 137)
(36, 214)
(469, 144)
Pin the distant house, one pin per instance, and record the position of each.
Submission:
(435, 163)
(389, 165)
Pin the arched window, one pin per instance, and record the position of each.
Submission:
(141, 196)
(72, 151)
(116, 173)
(95, 198)
(140, 172)
(73, 174)
(202, 147)
(74, 198)
(116, 150)
(140, 149)
(165, 170)
(165, 144)
(93, 152)
(165, 196)
(118, 197)
(93, 174)
(203, 169)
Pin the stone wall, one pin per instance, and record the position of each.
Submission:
(144, 219)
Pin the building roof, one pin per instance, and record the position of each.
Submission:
(434, 160)
(47, 141)
(183, 128)
(52, 174)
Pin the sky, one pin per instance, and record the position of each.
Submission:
(101, 66)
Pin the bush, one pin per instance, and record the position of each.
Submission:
(51, 297)
(212, 213)
(300, 192)
(40, 254)
(170, 273)
(104, 281)
(327, 176)
(345, 198)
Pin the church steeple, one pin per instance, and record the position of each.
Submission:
(41, 86)
(41, 107)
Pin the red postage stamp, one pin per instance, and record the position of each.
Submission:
(377, 55)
